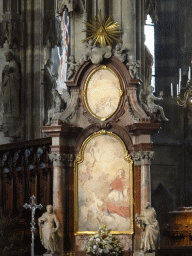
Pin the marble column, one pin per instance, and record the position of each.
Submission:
(68, 163)
(61, 163)
(142, 162)
(147, 156)
(143, 158)
(58, 197)
(136, 156)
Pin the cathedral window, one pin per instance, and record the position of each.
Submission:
(60, 53)
(150, 43)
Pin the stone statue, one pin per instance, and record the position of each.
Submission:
(11, 86)
(48, 227)
(119, 52)
(133, 66)
(147, 101)
(49, 77)
(150, 226)
(72, 67)
(50, 83)
(97, 54)
(89, 46)
(58, 104)
(10, 89)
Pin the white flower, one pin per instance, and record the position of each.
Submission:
(91, 239)
(95, 247)
(100, 251)
(97, 235)
(98, 239)
(106, 251)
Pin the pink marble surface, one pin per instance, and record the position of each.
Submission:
(145, 186)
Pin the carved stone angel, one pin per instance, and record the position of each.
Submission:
(147, 101)
(97, 54)
(133, 66)
(119, 52)
(72, 67)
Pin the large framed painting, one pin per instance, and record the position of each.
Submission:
(103, 185)
(102, 93)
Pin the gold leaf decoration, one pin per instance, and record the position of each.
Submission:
(102, 31)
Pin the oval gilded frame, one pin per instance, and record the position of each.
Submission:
(79, 159)
(107, 102)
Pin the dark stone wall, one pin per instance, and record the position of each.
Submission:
(171, 169)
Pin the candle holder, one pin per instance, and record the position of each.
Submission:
(184, 97)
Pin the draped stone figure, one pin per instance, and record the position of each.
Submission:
(48, 227)
(11, 97)
(150, 226)
(148, 103)
(50, 84)
(11, 86)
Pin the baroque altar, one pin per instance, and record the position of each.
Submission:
(101, 151)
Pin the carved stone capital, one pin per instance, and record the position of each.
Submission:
(56, 158)
(142, 156)
(149, 155)
(136, 156)
(62, 159)
(69, 160)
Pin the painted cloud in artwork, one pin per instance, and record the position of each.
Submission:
(104, 186)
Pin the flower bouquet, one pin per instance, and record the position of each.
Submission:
(103, 243)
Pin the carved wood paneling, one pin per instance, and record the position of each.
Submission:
(25, 170)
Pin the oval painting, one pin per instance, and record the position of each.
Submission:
(102, 93)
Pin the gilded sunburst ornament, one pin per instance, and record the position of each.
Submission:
(102, 31)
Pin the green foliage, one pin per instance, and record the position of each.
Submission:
(11, 239)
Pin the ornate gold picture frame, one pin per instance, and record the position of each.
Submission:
(103, 185)
(102, 93)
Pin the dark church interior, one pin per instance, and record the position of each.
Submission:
(96, 121)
